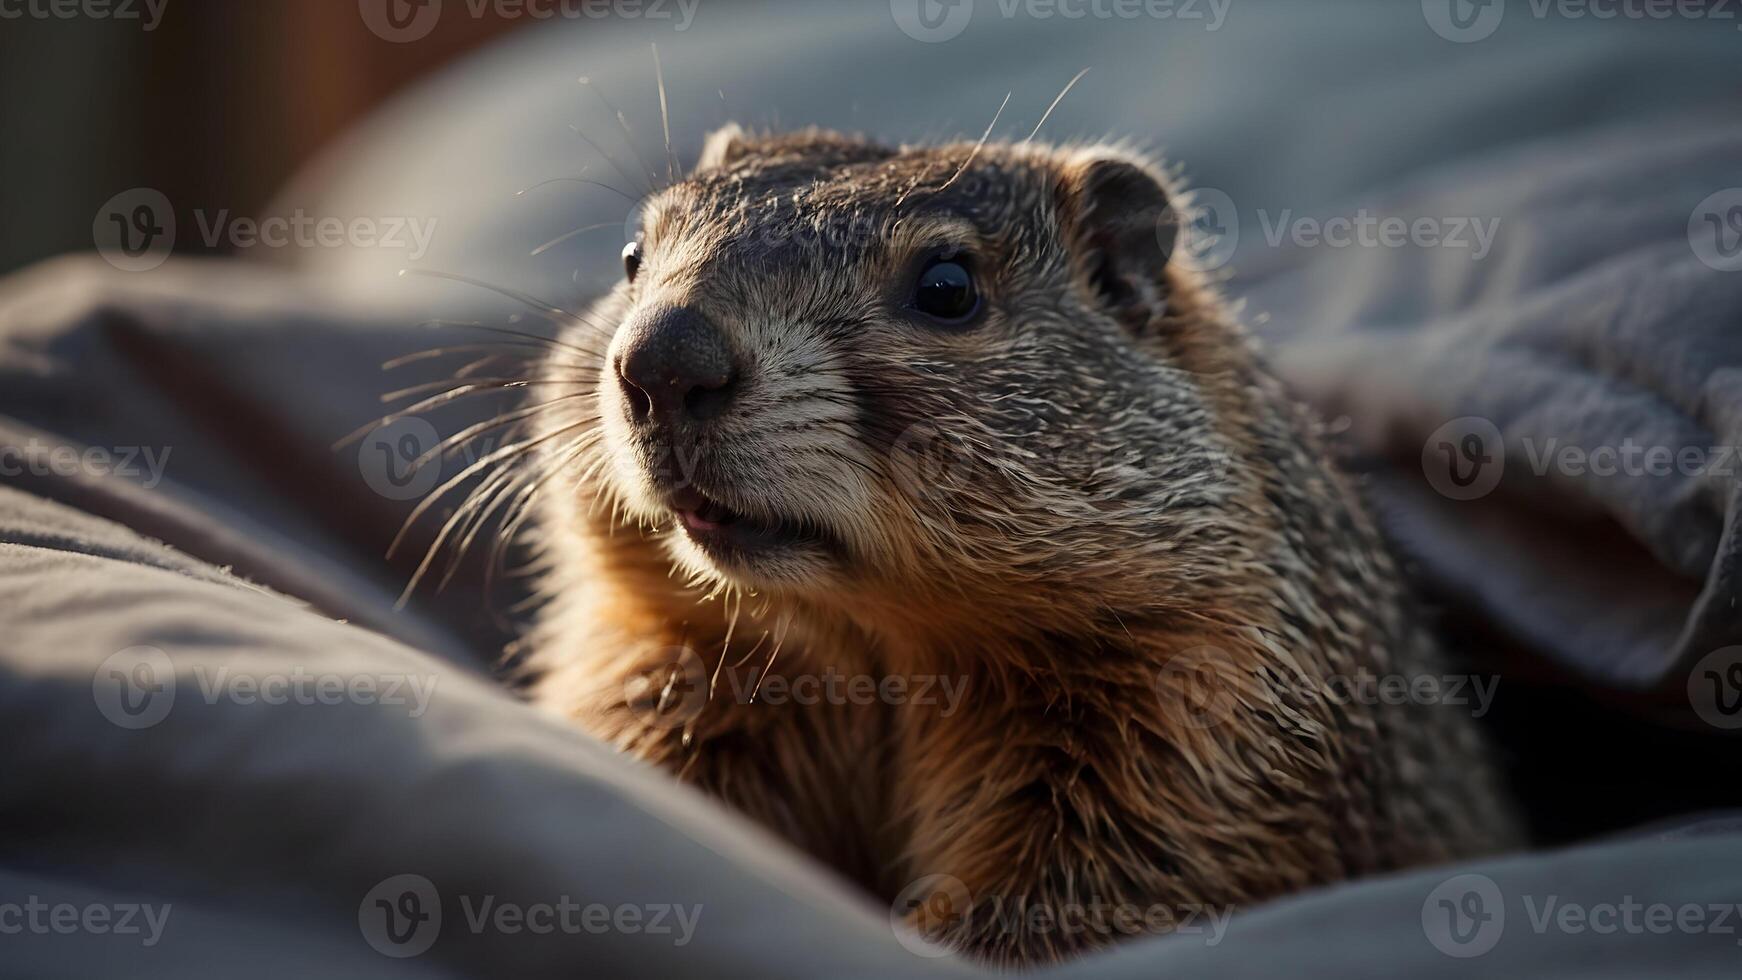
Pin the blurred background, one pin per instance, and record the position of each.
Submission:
(1279, 103)
(215, 101)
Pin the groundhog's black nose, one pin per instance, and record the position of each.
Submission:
(675, 367)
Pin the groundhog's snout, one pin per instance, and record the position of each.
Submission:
(676, 369)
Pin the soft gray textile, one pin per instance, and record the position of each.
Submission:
(1592, 324)
(265, 829)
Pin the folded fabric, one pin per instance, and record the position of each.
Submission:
(189, 794)
(1596, 358)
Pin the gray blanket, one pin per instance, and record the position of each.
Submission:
(178, 538)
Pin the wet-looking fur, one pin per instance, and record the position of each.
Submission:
(1092, 508)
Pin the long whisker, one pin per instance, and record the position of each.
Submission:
(550, 342)
(615, 164)
(431, 353)
(519, 507)
(1055, 104)
(785, 628)
(453, 394)
(418, 389)
(509, 486)
(547, 309)
(471, 432)
(482, 503)
(565, 236)
(507, 452)
(521, 510)
(978, 146)
(725, 645)
(623, 124)
(664, 116)
(620, 192)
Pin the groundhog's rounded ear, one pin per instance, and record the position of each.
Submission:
(723, 147)
(1123, 230)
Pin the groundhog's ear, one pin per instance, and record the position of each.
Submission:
(723, 147)
(1122, 228)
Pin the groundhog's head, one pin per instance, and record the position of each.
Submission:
(950, 378)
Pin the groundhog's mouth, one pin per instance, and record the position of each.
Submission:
(723, 531)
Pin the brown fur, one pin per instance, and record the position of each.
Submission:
(1116, 513)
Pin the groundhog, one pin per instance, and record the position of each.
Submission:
(861, 423)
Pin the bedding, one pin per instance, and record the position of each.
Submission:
(223, 727)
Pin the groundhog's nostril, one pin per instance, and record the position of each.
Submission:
(675, 366)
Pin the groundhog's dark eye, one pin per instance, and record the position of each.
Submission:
(631, 260)
(945, 291)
